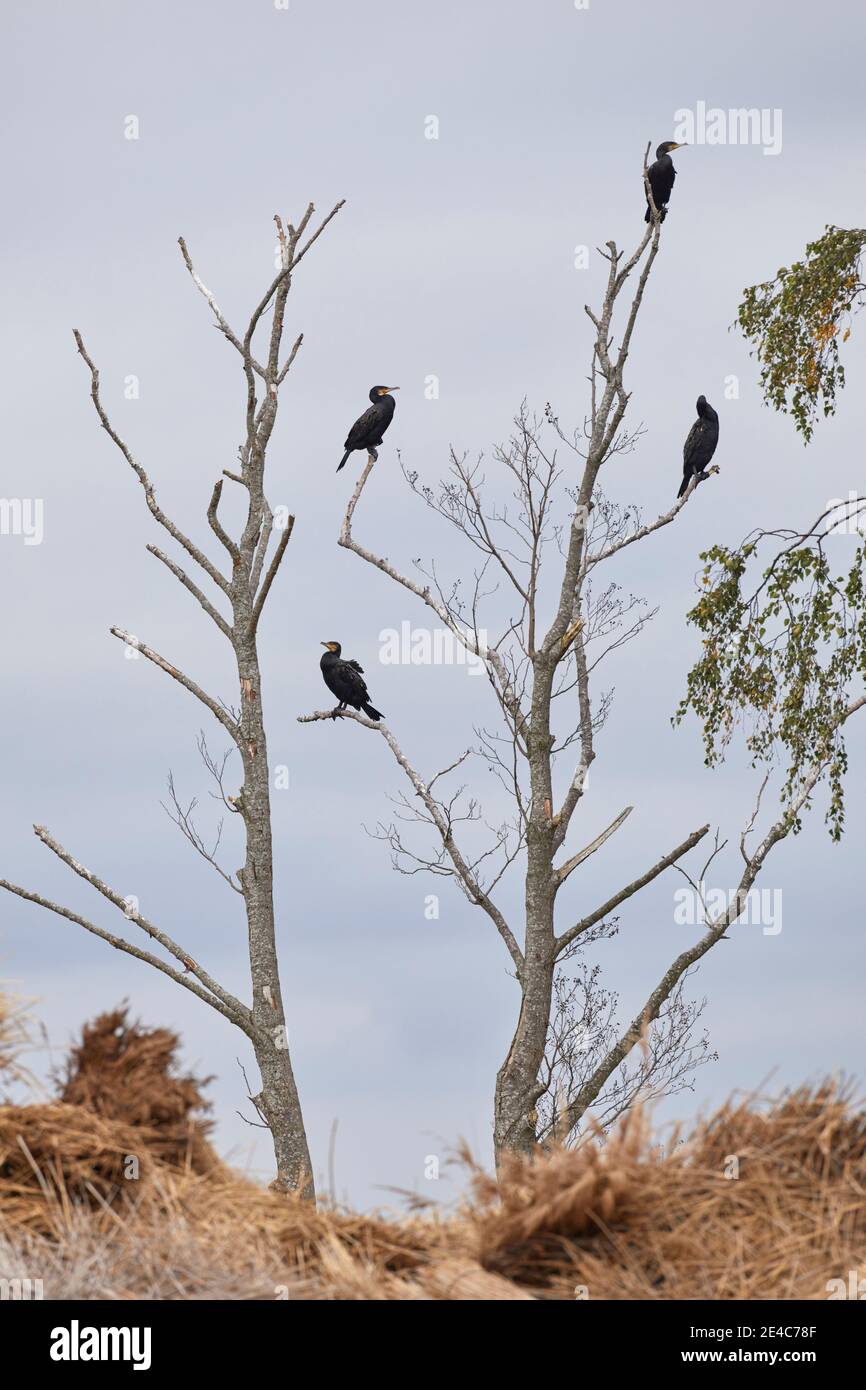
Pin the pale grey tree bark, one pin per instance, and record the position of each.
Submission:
(242, 583)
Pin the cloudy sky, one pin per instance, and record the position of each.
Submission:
(454, 257)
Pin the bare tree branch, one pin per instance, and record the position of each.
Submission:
(643, 531)
(182, 818)
(318, 232)
(571, 864)
(272, 570)
(193, 588)
(223, 325)
(462, 872)
(120, 944)
(134, 916)
(216, 710)
(471, 642)
(216, 525)
(629, 891)
(150, 496)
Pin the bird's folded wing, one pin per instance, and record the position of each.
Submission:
(360, 431)
(352, 681)
(691, 443)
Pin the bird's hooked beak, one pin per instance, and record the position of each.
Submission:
(386, 390)
(684, 146)
(330, 645)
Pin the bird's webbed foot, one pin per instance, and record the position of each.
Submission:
(373, 454)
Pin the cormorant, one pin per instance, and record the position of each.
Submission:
(367, 431)
(345, 679)
(661, 177)
(700, 445)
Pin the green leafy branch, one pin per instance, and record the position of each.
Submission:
(782, 660)
(797, 321)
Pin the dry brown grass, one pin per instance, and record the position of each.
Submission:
(620, 1219)
(122, 1071)
(762, 1200)
(15, 1040)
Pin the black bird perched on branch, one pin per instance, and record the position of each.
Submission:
(661, 177)
(345, 679)
(367, 431)
(700, 445)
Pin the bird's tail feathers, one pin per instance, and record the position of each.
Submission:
(342, 462)
(371, 713)
(683, 485)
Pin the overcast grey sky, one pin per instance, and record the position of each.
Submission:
(452, 257)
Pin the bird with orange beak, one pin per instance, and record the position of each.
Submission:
(661, 177)
(345, 679)
(367, 431)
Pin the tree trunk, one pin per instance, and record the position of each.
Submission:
(517, 1085)
(278, 1100)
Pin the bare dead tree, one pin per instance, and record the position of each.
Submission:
(546, 545)
(243, 583)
